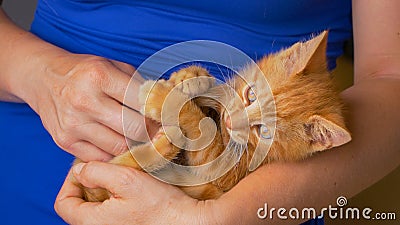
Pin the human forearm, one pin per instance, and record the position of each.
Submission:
(22, 54)
(372, 119)
(346, 170)
(315, 182)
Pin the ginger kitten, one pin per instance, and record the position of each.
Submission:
(308, 117)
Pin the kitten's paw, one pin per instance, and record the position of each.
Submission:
(151, 98)
(164, 147)
(95, 194)
(91, 194)
(193, 80)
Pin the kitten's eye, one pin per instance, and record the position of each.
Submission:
(251, 96)
(265, 132)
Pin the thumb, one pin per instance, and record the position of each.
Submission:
(70, 206)
(119, 180)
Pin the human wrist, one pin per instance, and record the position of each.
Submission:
(191, 211)
(22, 56)
(29, 70)
(37, 73)
(217, 211)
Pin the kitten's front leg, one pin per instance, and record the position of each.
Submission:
(151, 156)
(152, 96)
(193, 80)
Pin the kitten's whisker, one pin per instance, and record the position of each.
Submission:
(222, 74)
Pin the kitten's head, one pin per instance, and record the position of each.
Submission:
(307, 109)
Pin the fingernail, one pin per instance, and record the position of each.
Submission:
(78, 168)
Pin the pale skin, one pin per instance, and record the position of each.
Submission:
(78, 97)
(374, 152)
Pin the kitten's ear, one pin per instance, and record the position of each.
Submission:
(307, 56)
(325, 134)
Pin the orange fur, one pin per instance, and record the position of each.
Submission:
(308, 116)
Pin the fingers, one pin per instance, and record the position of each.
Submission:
(69, 203)
(134, 125)
(123, 182)
(121, 87)
(126, 92)
(119, 180)
(86, 151)
(137, 196)
(84, 111)
(104, 138)
(128, 69)
(124, 67)
(138, 77)
(123, 120)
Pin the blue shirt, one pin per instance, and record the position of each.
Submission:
(130, 31)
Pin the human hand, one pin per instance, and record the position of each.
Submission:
(137, 198)
(80, 99)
